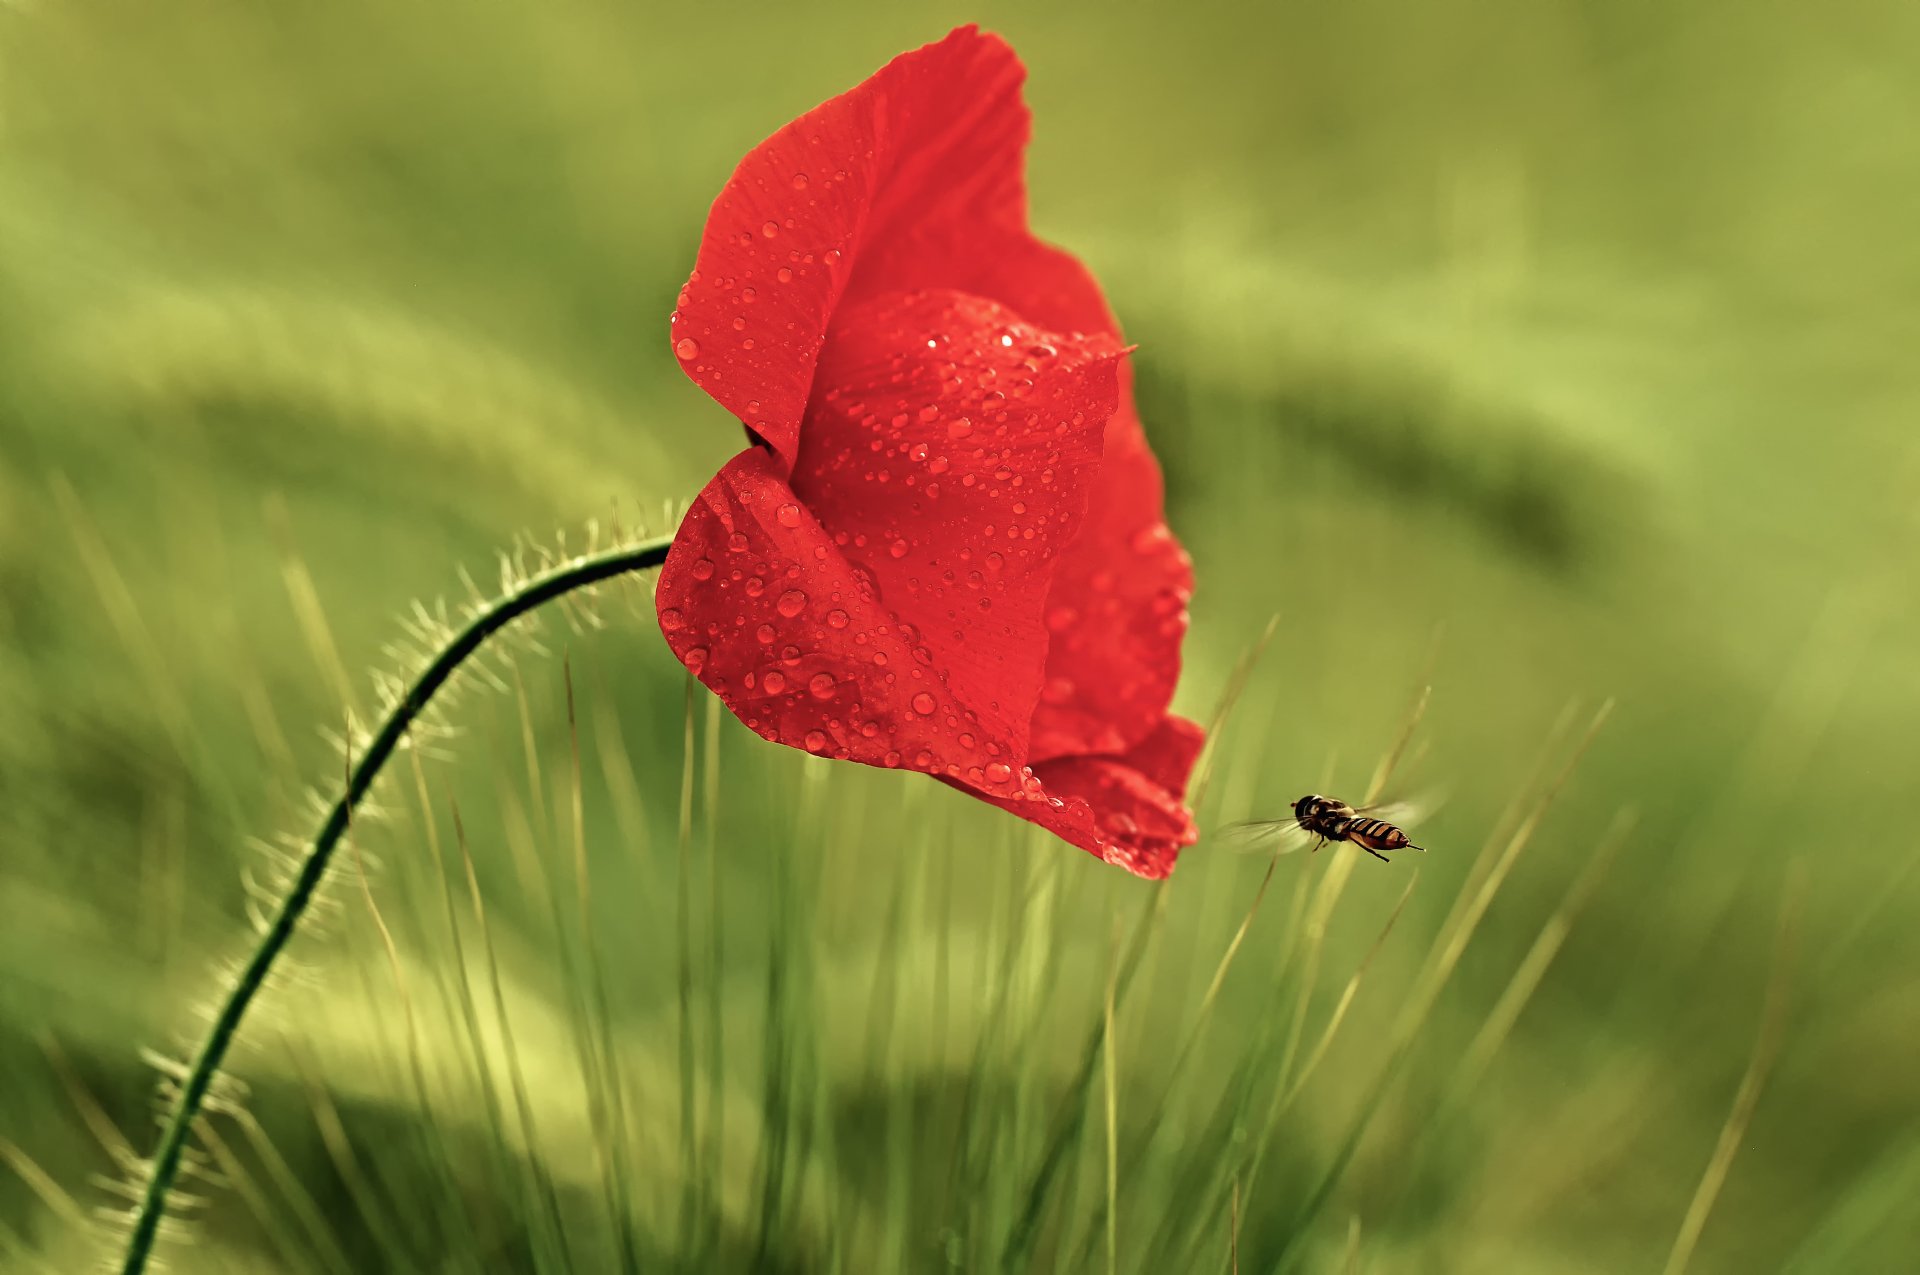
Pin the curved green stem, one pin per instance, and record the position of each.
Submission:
(569, 576)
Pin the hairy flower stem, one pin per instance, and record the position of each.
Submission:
(578, 573)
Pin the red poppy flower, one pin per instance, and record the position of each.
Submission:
(944, 549)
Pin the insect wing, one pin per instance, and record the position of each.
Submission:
(1405, 814)
(1275, 836)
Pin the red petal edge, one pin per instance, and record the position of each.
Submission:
(1129, 810)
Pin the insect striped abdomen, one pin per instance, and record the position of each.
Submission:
(1376, 834)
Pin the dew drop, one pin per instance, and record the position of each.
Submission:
(791, 603)
(922, 703)
(821, 685)
(837, 618)
(737, 542)
(789, 515)
(959, 428)
(816, 739)
(783, 274)
(687, 348)
(770, 229)
(898, 549)
(702, 569)
(773, 681)
(799, 181)
(998, 772)
(695, 659)
(766, 633)
(672, 621)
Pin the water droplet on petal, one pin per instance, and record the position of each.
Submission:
(702, 570)
(687, 348)
(695, 659)
(770, 229)
(792, 603)
(789, 515)
(766, 633)
(799, 181)
(821, 685)
(837, 618)
(816, 739)
(774, 681)
(998, 772)
(898, 549)
(784, 275)
(671, 620)
(922, 703)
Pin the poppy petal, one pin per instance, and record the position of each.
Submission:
(1118, 610)
(1128, 810)
(943, 466)
(759, 604)
(913, 572)
(931, 143)
(949, 451)
(1119, 607)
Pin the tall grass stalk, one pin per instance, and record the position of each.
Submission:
(1448, 948)
(1766, 1047)
(199, 1076)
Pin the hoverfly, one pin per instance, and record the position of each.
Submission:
(1319, 819)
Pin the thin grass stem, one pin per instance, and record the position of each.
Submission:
(1766, 1047)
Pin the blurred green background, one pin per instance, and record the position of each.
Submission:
(1545, 352)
